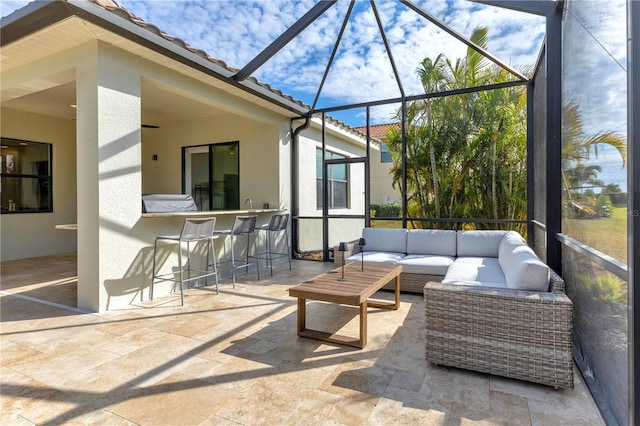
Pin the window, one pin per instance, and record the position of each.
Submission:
(211, 175)
(25, 177)
(385, 155)
(338, 181)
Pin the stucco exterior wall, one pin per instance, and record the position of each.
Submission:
(310, 230)
(32, 234)
(382, 191)
(98, 181)
(114, 242)
(262, 136)
(260, 145)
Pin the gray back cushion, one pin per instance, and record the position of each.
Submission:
(385, 239)
(522, 268)
(479, 243)
(431, 241)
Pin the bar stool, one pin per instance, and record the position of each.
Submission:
(242, 226)
(193, 231)
(277, 224)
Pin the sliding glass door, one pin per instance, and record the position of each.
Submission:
(211, 175)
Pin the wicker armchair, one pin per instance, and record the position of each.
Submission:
(519, 334)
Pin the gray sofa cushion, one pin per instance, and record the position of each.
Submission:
(522, 268)
(430, 241)
(376, 257)
(480, 271)
(426, 264)
(479, 243)
(385, 240)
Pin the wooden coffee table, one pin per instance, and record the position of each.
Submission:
(355, 291)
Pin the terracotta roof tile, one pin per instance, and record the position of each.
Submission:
(378, 130)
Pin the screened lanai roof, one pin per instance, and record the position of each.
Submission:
(332, 53)
(323, 55)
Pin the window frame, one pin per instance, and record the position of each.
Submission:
(209, 149)
(385, 153)
(38, 179)
(331, 181)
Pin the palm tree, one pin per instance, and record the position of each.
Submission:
(578, 147)
(462, 148)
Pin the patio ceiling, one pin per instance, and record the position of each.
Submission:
(161, 104)
(51, 92)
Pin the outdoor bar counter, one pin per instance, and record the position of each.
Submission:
(209, 213)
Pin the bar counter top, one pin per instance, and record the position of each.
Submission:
(209, 213)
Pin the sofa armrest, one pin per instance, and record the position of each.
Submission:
(477, 292)
(556, 283)
(352, 248)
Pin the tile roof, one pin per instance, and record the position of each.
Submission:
(117, 9)
(378, 130)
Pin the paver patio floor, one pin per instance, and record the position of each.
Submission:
(234, 359)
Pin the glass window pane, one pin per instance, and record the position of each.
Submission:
(26, 177)
(338, 172)
(212, 175)
(319, 193)
(319, 163)
(25, 194)
(225, 183)
(339, 194)
(28, 158)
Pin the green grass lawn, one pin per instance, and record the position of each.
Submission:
(607, 234)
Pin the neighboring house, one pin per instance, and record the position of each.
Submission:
(99, 108)
(382, 191)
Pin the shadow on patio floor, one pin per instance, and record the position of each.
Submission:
(235, 358)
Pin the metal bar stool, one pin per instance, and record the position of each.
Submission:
(193, 231)
(242, 226)
(277, 224)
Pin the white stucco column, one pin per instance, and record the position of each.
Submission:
(109, 170)
(284, 171)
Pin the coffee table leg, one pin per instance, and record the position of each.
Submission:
(397, 293)
(363, 325)
(302, 314)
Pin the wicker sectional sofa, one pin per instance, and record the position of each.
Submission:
(490, 304)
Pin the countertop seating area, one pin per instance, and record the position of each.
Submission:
(491, 304)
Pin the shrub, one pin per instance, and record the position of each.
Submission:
(390, 210)
(604, 205)
(607, 288)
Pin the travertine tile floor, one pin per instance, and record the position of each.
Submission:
(234, 359)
